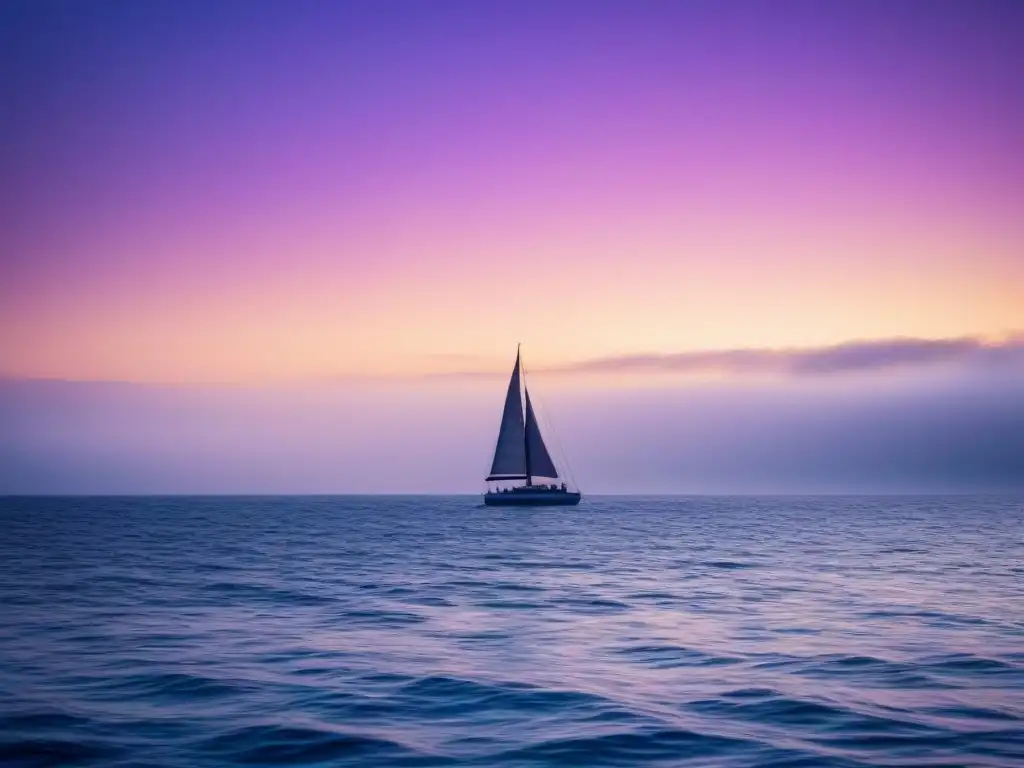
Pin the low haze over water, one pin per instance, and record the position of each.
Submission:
(422, 631)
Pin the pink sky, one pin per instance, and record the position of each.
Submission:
(252, 192)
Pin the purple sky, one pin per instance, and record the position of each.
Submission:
(244, 193)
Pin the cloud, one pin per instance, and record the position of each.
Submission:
(969, 353)
(849, 357)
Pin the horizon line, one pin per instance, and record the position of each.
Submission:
(467, 494)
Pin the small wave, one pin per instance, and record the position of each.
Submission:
(133, 580)
(463, 694)
(668, 656)
(894, 613)
(937, 618)
(728, 564)
(656, 596)
(485, 636)
(172, 685)
(797, 631)
(382, 618)
(632, 748)
(968, 664)
(597, 604)
(429, 601)
(284, 745)
(383, 678)
(750, 693)
(974, 713)
(864, 670)
(273, 595)
(554, 564)
(301, 654)
(891, 741)
(859, 662)
(786, 711)
(461, 583)
(509, 586)
(46, 720)
(516, 605)
(825, 664)
(55, 752)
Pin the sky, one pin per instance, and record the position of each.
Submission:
(315, 232)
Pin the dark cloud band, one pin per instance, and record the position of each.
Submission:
(849, 357)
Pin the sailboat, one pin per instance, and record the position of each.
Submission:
(520, 454)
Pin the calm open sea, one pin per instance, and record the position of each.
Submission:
(433, 631)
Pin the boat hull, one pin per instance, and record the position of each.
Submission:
(532, 498)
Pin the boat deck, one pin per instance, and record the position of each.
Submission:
(532, 496)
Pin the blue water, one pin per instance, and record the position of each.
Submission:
(432, 631)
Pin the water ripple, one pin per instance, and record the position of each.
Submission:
(785, 633)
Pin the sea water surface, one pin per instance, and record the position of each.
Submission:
(433, 631)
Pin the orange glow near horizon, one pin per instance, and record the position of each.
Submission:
(446, 311)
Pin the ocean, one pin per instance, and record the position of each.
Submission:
(432, 631)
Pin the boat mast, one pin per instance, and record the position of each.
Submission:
(526, 432)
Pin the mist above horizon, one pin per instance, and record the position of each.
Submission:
(928, 426)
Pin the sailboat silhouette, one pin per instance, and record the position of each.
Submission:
(520, 454)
